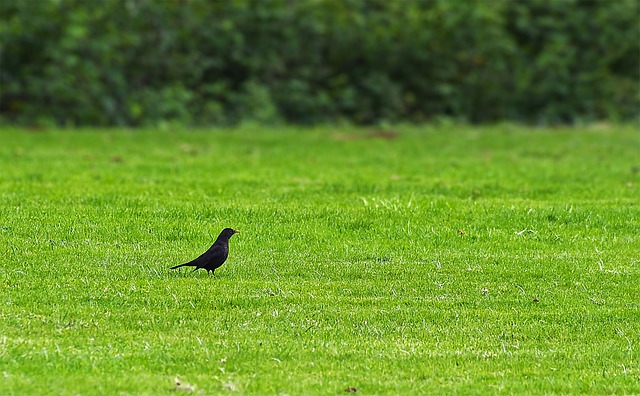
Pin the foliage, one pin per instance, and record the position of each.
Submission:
(136, 62)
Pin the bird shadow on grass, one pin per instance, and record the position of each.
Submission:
(167, 273)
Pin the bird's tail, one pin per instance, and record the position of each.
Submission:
(183, 265)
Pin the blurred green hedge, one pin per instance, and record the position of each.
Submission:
(141, 62)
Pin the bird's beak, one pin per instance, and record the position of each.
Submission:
(236, 231)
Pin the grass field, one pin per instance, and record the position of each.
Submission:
(433, 260)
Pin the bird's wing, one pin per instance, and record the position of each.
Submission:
(198, 262)
(217, 253)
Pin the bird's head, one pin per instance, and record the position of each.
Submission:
(228, 233)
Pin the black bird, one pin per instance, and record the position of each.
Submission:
(215, 256)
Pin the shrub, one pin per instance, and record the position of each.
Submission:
(137, 62)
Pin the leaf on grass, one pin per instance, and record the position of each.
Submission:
(230, 386)
(183, 386)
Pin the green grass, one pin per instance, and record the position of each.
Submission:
(446, 260)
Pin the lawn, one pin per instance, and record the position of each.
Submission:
(418, 260)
